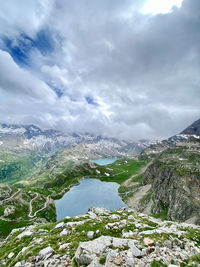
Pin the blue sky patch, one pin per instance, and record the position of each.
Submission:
(20, 49)
(91, 101)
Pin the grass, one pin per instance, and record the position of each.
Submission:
(123, 169)
(163, 214)
(158, 264)
(146, 198)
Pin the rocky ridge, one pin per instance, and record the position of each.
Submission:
(103, 238)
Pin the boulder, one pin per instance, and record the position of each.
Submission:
(148, 241)
(90, 234)
(64, 232)
(88, 251)
(25, 233)
(60, 225)
(46, 251)
(98, 210)
(10, 255)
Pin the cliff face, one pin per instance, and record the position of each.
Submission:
(175, 179)
(176, 193)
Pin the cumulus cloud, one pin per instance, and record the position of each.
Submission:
(111, 69)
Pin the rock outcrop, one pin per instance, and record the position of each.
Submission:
(119, 238)
(175, 182)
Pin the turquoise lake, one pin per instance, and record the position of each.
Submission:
(89, 193)
(104, 161)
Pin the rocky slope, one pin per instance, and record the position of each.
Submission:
(102, 238)
(193, 129)
(169, 186)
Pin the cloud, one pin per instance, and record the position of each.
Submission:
(107, 68)
(17, 81)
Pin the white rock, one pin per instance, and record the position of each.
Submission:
(130, 217)
(127, 234)
(130, 262)
(64, 246)
(46, 251)
(88, 251)
(114, 216)
(90, 234)
(18, 264)
(95, 263)
(10, 255)
(72, 224)
(135, 251)
(60, 225)
(98, 210)
(24, 249)
(25, 233)
(64, 232)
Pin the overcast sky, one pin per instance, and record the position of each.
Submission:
(125, 68)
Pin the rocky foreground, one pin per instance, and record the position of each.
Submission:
(103, 238)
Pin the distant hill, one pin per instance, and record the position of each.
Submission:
(193, 129)
(25, 150)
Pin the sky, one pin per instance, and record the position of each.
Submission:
(122, 68)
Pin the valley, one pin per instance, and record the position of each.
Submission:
(160, 179)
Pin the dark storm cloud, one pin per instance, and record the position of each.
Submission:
(118, 71)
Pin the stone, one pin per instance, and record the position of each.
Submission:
(64, 246)
(46, 251)
(118, 261)
(127, 234)
(148, 241)
(130, 262)
(95, 263)
(87, 251)
(90, 234)
(130, 217)
(98, 210)
(168, 244)
(135, 251)
(25, 233)
(18, 264)
(10, 255)
(72, 224)
(114, 217)
(24, 249)
(9, 210)
(64, 232)
(60, 225)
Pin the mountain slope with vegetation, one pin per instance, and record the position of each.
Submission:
(103, 238)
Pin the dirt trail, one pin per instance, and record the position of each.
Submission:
(134, 202)
(129, 182)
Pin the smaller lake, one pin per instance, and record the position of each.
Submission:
(89, 193)
(105, 161)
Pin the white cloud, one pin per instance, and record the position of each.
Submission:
(26, 16)
(141, 71)
(17, 81)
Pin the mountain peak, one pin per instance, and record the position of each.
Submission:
(193, 129)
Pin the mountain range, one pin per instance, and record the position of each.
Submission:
(160, 179)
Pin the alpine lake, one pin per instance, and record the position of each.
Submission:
(90, 193)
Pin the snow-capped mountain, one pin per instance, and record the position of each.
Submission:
(32, 137)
